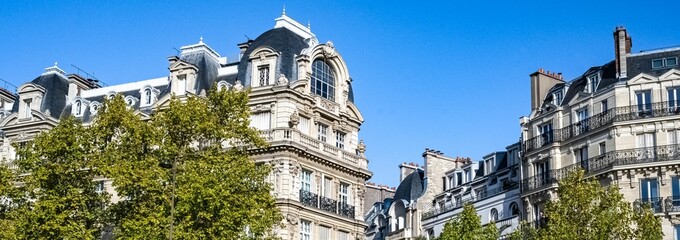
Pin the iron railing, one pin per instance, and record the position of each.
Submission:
(656, 203)
(672, 204)
(311, 199)
(605, 161)
(486, 193)
(618, 114)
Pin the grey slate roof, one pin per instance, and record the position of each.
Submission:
(207, 69)
(56, 90)
(283, 41)
(412, 187)
(643, 63)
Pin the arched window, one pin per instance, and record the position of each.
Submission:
(129, 101)
(514, 209)
(323, 80)
(147, 96)
(493, 217)
(79, 105)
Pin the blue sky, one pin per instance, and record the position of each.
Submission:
(447, 75)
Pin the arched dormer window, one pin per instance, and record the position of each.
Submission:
(323, 80)
(94, 107)
(222, 86)
(147, 96)
(79, 108)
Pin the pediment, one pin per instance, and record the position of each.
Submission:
(642, 78)
(353, 112)
(181, 65)
(672, 74)
(30, 87)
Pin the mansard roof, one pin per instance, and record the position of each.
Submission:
(412, 187)
(283, 41)
(207, 69)
(56, 90)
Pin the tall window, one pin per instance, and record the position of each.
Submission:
(305, 230)
(260, 121)
(581, 114)
(644, 102)
(494, 215)
(672, 136)
(340, 140)
(675, 186)
(343, 193)
(649, 191)
(604, 105)
(264, 75)
(343, 235)
(459, 178)
(594, 80)
(181, 84)
(147, 96)
(603, 148)
(79, 107)
(582, 157)
(306, 181)
(514, 209)
(557, 97)
(99, 188)
(323, 80)
(645, 140)
(468, 175)
(303, 126)
(327, 182)
(545, 131)
(542, 171)
(27, 113)
(324, 232)
(489, 164)
(321, 132)
(673, 99)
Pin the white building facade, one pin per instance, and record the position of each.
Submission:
(301, 100)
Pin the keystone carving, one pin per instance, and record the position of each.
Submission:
(282, 80)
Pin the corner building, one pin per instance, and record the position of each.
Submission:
(301, 101)
(619, 122)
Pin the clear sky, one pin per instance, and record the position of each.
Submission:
(453, 76)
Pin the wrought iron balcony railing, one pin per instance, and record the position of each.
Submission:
(605, 161)
(487, 193)
(656, 203)
(310, 199)
(618, 114)
(672, 204)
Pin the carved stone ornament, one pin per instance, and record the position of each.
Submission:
(238, 86)
(292, 219)
(294, 119)
(361, 148)
(282, 80)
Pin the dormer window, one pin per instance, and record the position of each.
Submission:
(78, 108)
(222, 86)
(557, 97)
(323, 80)
(147, 96)
(263, 72)
(593, 82)
(27, 107)
(94, 107)
(181, 84)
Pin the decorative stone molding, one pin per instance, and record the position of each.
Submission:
(238, 86)
(361, 148)
(282, 80)
(292, 219)
(294, 119)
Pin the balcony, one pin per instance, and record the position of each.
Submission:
(655, 203)
(605, 161)
(329, 205)
(487, 193)
(672, 204)
(619, 114)
(295, 136)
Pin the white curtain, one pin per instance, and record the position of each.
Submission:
(261, 121)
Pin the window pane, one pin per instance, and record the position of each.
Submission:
(644, 190)
(671, 62)
(658, 63)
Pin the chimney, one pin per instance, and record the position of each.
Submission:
(541, 82)
(243, 47)
(622, 45)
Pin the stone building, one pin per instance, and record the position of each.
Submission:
(490, 185)
(619, 121)
(301, 100)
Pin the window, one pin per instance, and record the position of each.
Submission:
(557, 97)
(480, 192)
(264, 75)
(261, 120)
(670, 62)
(327, 185)
(147, 96)
(545, 131)
(99, 187)
(542, 171)
(468, 176)
(604, 105)
(644, 102)
(129, 101)
(677, 232)
(27, 112)
(321, 132)
(489, 165)
(306, 181)
(181, 84)
(582, 157)
(674, 100)
(459, 178)
(343, 193)
(582, 125)
(672, 136)
(323, 80)
(79, 107)
(582, 114)
(303, 126)
(603, 148)
(675, 186)
(305, 230)
(343, 235)
(94, 107)
(649, 192)
(493, 217)
(657, 63)
(645, 140)
(594, 81)
(340, 140)
(514, 209)
(222, 86)
(324, 232)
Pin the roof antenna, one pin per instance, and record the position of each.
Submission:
(246, 37)
(178, 51)
(200, 39)
(309, 25)
(284, 9)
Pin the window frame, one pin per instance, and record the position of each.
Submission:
(306, 180)
(305, 230)
(323, 80)
(263, 74)
(340, 139)
(322, 132)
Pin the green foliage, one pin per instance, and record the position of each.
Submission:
(468, 226)
(171, 171)
(59, 198)
(586, 210)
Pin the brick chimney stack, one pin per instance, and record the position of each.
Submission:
(622, 45)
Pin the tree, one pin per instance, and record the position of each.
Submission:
(177, 178)
(468, 226)
(7, 213)
(586, 210)
(59, 198)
